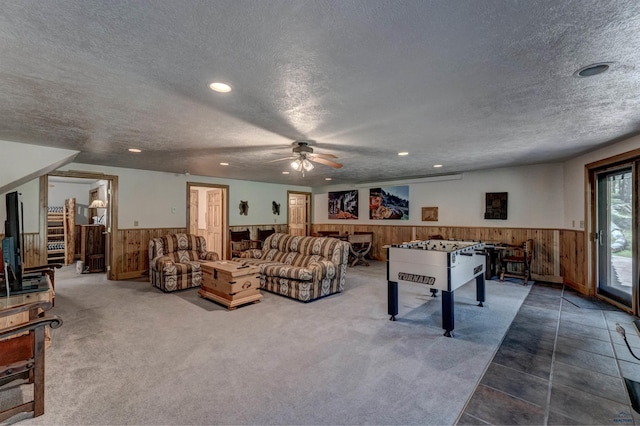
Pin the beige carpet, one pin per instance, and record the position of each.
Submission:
(130, 354)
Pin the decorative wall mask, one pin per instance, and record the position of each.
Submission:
(275, 207)
(244, 207)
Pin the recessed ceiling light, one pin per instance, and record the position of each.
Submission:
(437, 165)
(224, 164)
(403, 153)
(220, 87)
(593, 69)
(327, 179)
(285, 173)
(134, 150)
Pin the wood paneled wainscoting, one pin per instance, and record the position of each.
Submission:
(573, 261)
(283, 228)
(559, 254)
(31, 250)
(131, 250)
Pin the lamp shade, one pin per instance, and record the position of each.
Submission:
(97, 204)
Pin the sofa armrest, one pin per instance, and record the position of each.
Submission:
(210, 255)
(322, 269)
(161, 262)
(252, 254)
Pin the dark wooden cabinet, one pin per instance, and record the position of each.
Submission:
(92, 247)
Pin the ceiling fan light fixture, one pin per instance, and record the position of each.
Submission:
(220, 87)
(296, 165)
(307, 165)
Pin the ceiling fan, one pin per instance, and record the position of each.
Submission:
(303, 158)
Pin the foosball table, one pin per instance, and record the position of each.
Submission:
(440, 265)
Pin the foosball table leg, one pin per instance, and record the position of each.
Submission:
(447, 312)
(392, 299)
(480, 289)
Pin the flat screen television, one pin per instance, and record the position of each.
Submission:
(11, 244)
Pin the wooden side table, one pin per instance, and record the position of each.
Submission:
(230, 283)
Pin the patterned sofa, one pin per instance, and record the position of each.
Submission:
(174, 261)
(303, 268)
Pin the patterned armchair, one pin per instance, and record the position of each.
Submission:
(174, 261)
(303, 268)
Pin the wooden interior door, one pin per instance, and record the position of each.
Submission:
(193, 211)
(214, 218)
(299, 214)
(108, 229)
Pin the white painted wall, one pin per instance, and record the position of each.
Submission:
(158, 200)
(30, 197)
(60, 191)
(21, 163)
(535, 199)
(540, 196)
(574, 178)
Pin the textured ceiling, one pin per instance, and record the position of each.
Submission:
(468, 84)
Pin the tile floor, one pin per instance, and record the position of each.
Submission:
(561, 362)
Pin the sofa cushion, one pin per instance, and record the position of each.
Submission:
(286, 271)
(184, 256)
(309, 246)
(183, 268)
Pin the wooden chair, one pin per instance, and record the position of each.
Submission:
(359, 247)
(328, 233)
(240, 241)
(262, 235)
(22, 354)
(516, 261)
(368, 255)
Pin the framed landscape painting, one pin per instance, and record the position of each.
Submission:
(343, 204)
(391, 202)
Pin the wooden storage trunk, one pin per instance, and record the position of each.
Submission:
(230, 284)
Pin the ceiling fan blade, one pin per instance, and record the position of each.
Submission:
(326, 162)
(323, 155)
(282, 159)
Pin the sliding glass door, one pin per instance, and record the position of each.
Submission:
(615, 234)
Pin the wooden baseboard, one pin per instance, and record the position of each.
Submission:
(579, 287)
(547, 278)
(131, 275)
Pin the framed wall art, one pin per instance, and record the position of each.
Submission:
(429, 214)
(391, 202)
(343, 204)
(496, 205)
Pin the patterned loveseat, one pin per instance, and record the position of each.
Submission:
(174, 261)
(303, 268)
